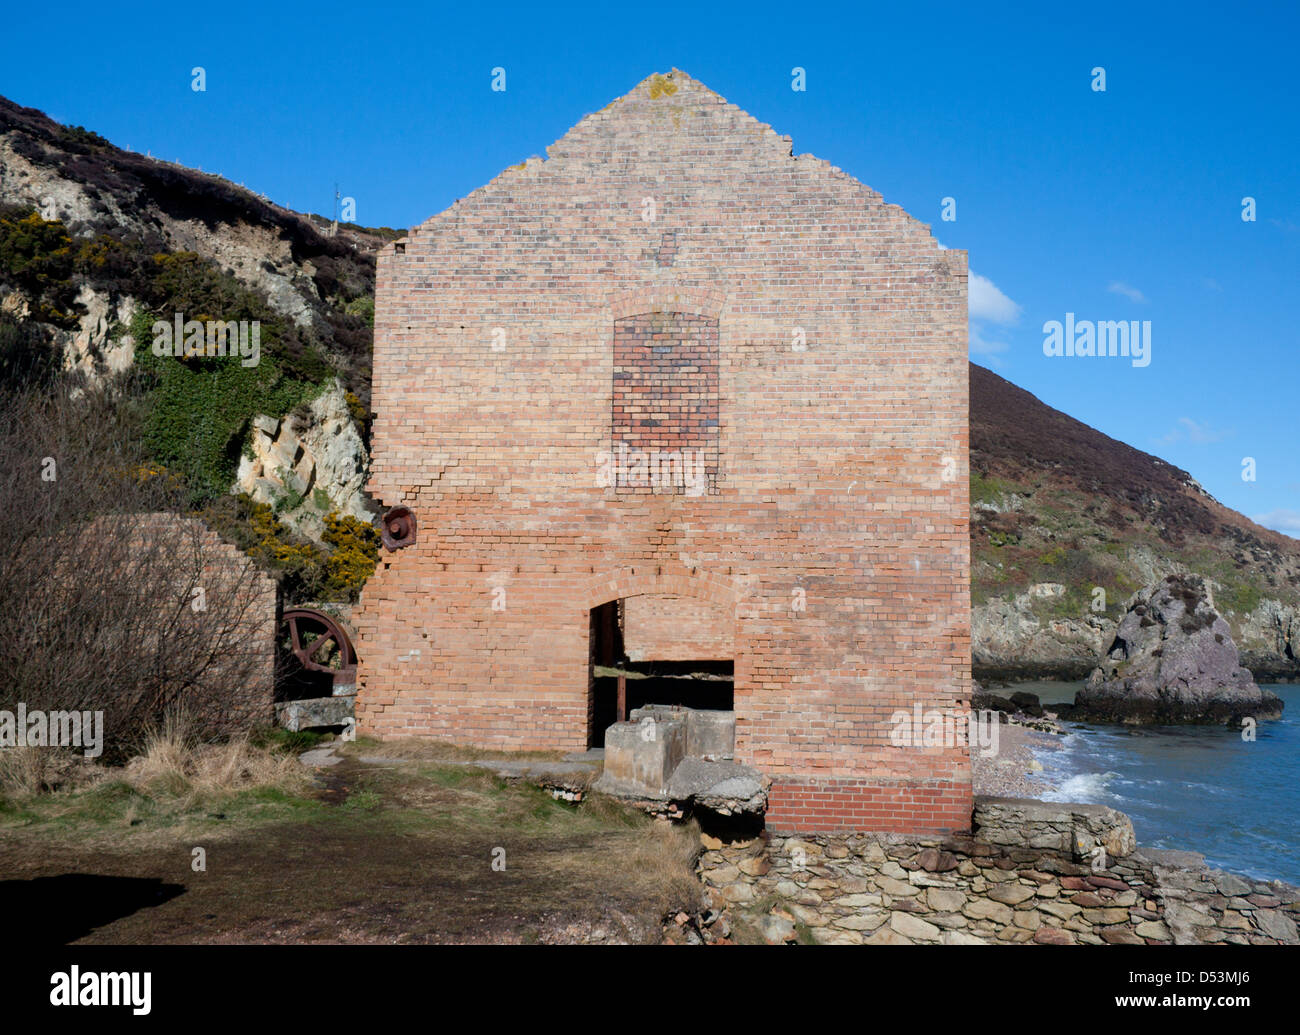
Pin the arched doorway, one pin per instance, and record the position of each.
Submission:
(664, 642)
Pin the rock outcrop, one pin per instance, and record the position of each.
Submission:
(1012, 639)
(1055, 502)
(91, 349)
(298, 457)
(1173, 660)
(272, 250)
(1269, 640)
(1016, 638)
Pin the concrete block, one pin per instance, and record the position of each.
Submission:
(710, 733)
(640, 756)
(315, 713)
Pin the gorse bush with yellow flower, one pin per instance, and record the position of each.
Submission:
(333, 572)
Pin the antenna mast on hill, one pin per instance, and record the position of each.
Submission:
(334, 227)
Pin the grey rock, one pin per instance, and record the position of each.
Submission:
(1060, 827)
(718, 785)
(315, 713)
(776, 930)
(1230, 884)
(1011, 894)
(1173, 660)
(945, 900)
(1276, 924)
(320, 758)
(914, 927)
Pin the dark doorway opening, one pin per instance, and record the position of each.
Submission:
(706, 684)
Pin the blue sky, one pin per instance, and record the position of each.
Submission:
(1116, 205)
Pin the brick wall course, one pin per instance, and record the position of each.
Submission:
(677, 628)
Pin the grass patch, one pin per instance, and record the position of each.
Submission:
(175, 781)
(986, 489)
(362, 801)
(406, 855)
(115, 806)
(277, 738)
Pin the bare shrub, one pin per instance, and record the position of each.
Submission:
(102, 578)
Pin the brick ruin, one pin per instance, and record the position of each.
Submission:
(675, 381)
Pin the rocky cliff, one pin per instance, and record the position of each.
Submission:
(1173, 661)
(93, 238)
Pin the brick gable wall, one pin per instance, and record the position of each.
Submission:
(835, 530)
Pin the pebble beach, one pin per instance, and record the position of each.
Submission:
(1013, 772)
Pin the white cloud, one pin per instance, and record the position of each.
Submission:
(1118, 287)
(1189, 430)
(987, 305)
(982, 346)
(1285, 521)
(987, 302)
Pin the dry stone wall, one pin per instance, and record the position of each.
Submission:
(959, 890)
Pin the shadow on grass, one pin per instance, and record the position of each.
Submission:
(59, 910)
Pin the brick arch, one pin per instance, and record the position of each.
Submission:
(623, 583)
(666, 298)
(629, 583)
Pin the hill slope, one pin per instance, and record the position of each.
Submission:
(1060, 511)
(308, 277)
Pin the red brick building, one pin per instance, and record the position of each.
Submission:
(674, 366)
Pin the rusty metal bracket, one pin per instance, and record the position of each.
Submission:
(397, 528)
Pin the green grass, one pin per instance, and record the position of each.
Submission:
(289, 741)
(421, 837)
(984, 489)
(362, 801)
(117, 806)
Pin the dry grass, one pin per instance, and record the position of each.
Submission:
(174, 764)
(663, 858)
(405, 854)
(38, 770)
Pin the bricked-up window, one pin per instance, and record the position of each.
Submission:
(665, 402)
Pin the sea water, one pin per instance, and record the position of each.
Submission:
(1199, 788)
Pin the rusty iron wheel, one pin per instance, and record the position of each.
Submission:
(317, 640)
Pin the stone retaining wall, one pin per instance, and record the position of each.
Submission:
(891, 890)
